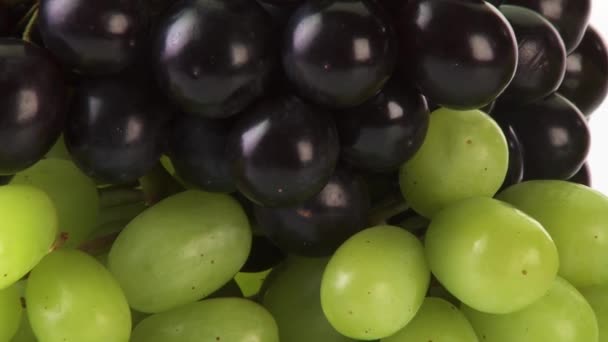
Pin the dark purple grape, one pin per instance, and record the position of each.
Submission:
(542, 56)
(553, 134)
(489, 108)
(92, 36)
(460, 54)
(321, 224)
(339, 53)
(197, 148)
(213, 57)
(583, 176)
(496, 3)
(33, 101)
(586, 81)
(386, 131)
(570, 17)
(115, 129)
(515, 172)
(264, 255)
(279, 13)
(5, 27)
(283, 151)
(382, 187)
(5, 179)
(283, 3)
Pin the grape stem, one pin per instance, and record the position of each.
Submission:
(27, 16)
(387, 209)
(27, 34)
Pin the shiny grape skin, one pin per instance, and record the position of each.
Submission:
(586, 81)
(570, 17)
(213, 57)
(93, 37)
(460, 54)
(115, 129)
(318, 226)
(339, 53)
(542, 56)
(515, 172)
(554, 136)
(197, 148)
(386, 131)
(264, 255)
(583, 176)
(33, 99)
(283, 151)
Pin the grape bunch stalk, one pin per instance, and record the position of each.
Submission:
(300, 170)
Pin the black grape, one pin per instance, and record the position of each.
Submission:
(515, 172)
(92, 36)
(283, 151)
(197, 148)
(570, 17)
(386, 131)
(554, 136)
(5, 26)
(542, 56)
(264, 255)
(339, 53)
(583, 176)
(5, 179)
(115, 129)
(213, 57)
(586, 81)
(321, 224)
(33, 100)
(460, 54)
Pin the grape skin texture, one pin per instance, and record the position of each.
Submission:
(597, 296)
(10, 312)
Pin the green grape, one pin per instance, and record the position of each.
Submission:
(220, 319)
(28, 227)
(463, 155)
(562, 315)
(577, 219)
(137, 317)
(72, 298)
(73, 193)
(292, 295)
(251, 283)
(230, 289)
(597, 297)
(437, 321)
(24, 333)
(180, 250)
(490, 255)
(10, 312)
(59, 150)
(375, 283)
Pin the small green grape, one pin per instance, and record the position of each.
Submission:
(597, 296)
(10, 312)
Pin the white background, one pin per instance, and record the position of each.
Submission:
(598, 157)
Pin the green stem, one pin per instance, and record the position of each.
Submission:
(27, 16)
(27, 34)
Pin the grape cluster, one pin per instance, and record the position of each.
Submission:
(300, 170)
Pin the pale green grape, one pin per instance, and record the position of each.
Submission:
(597, 296)
(220, 319)
(463, 155)
(28, 227)
(24, 333)
(375, 283)
(490, 255)
(436, 321)
(250, 283)
(292, 295)
(577, 219)
(562, 315)
(10, 312)
(72, 298)
(230, 289)
(59, 150)
(72, 192)
(180, 250)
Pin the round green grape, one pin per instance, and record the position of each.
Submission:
(375, 283)
(597, 297)
(463, 155)
(220, 319)
(562, 315)
(490, 255)
(292, 295)
(577, 219)
(250, 283)
(28, 228)
(437, 321)
(180, 250)
(73, 193)
(10, 312)
(72, 298)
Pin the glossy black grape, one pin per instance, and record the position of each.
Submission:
(586, 81)
(283, 151)
(386, 131)
(542, 56)
(91, 36)
(197, 148)
(460, 54)
(264, 255)
(339, 53)
(213, 57)
(570, 17)
(5, 26)
(115, 129)
(515, 172)
(382, 187)
(33, 99)
(280, 13)
(321, 224)
(554, 136)
(583, 176)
